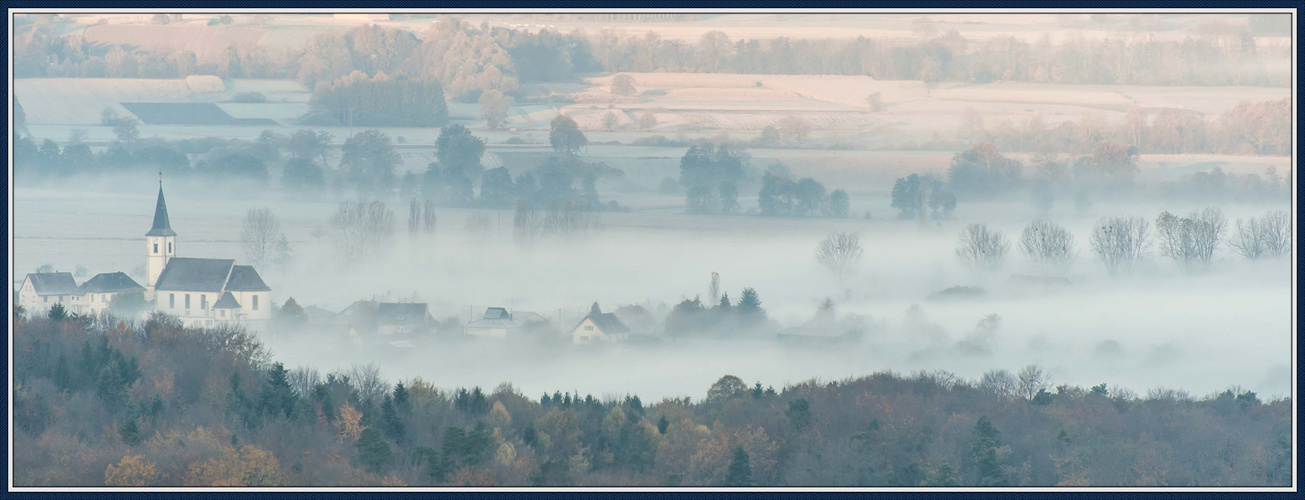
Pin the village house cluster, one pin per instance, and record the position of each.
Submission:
(200, 292)
(206, 292)
(401, 322)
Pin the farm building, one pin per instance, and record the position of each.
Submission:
(41, 291)
(95, 295)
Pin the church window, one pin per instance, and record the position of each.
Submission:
(255, 302)
(169, 247)
(188, 301)
(156, 248)
(172, 301)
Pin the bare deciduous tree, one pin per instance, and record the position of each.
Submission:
(647, 120)
(478, 224)
(1047, 243)
(525, 224)
(303, 380)
(982, 248)
(1269, 236)
(1191, 241)
(1121, 242)
(565, 220)
(494, 108)
(999, 382)
(414, 217)
(1032, 380)
(366, 379)
(794, 128)
(362, 229)
(263, 240)
(839, 252)
(568, 221)
(428, 217)
(1276, 226)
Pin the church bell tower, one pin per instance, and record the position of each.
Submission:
(160, 244)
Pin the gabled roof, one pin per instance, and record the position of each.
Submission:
(195, 275)
(162, 227)
(607, 322)
(317, 314)
(525, 317)
(497, 313)
(400, 313)
(246, 279)
(53, 283)
(635, 316)
(110, 283)
(227, 301)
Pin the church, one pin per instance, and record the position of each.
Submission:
(200, 292)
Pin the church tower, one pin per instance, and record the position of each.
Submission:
(160, 245)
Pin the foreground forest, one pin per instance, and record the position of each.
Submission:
(103, 401)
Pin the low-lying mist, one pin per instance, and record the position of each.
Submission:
(1158, 327)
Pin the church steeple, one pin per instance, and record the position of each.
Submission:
(161, 225)
(160, 244)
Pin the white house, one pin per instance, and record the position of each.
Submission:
(599, 327)
(95, 295)
(41, 291)
(201, 292)
(497, 322)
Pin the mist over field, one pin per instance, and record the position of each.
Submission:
(1196, 333)
(862, 188)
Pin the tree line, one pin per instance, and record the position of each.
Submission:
(468, 59)
(211, 407)
(1248, 128)
(983, 173)
(1121, 243)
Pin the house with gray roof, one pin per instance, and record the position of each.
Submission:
(95, 295)
(402, 318)
(497, 322)
(201, 292)
(599, 327)
(41, 291)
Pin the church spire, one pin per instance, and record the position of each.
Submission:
(161, 225)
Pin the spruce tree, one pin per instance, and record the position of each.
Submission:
(390, 421)
(983, 454)
(740, 471)
(401, 402)
(373, 452)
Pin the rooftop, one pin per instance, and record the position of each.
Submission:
(110, 283)
(400, 313)
(195, 275)
(53, 283)
(162, 227)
